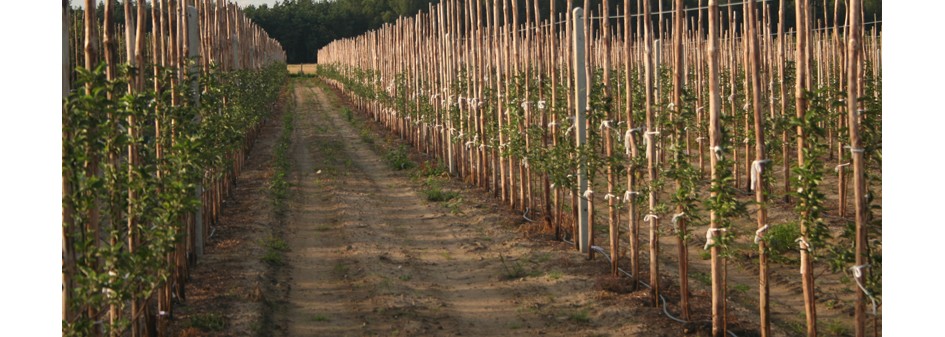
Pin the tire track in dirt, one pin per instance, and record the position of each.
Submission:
(368, 256)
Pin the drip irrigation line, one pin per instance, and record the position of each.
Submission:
(665, 309)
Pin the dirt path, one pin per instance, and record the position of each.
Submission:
(370, 256)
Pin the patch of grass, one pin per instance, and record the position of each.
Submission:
(405, 277)
(398, 159)
(276, 243)
(347, 113)
(341, 268)
(279, 184)
(208, 322)
(434, 191)
(740, 288)
(580, 316)
(835, 327)
(704, 278)
(275, 247)
(554, 274)
(320, 318)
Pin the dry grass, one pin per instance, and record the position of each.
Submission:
(307, 69)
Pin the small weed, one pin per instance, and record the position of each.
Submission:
(780, 241)
(454, 205)
(513, 270)
(705, 255)
(580, 316)
(208, 322)
(447, 256)
(515, 325)
(323, 228)
(273, 257)
(398, 159)
(320, 318)
(540, 258)
(405, 277)
(347, 113)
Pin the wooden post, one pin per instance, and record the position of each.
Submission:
(580, 98)
(649, 135)
(756, 171)
(630, 142)
(802, 84)
(715, 141)
(861, 209)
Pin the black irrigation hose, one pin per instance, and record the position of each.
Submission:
(665, 310)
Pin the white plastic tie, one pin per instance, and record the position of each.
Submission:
(604, 124)
(628, 195)
(671, 106)
(525, 162)
(756, 169)
(803, 244)
(651, 216)
(718, 152)
(541, 105)
(626, 142)
(588, 194)
(675, 221)
(858, 275)
(699, 139)
(760, 233)
(710, 236)
(552, 124)
(611, 196)
(837, 169)
(648, 136)
(731, 98)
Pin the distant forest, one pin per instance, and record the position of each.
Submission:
(304, 26)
